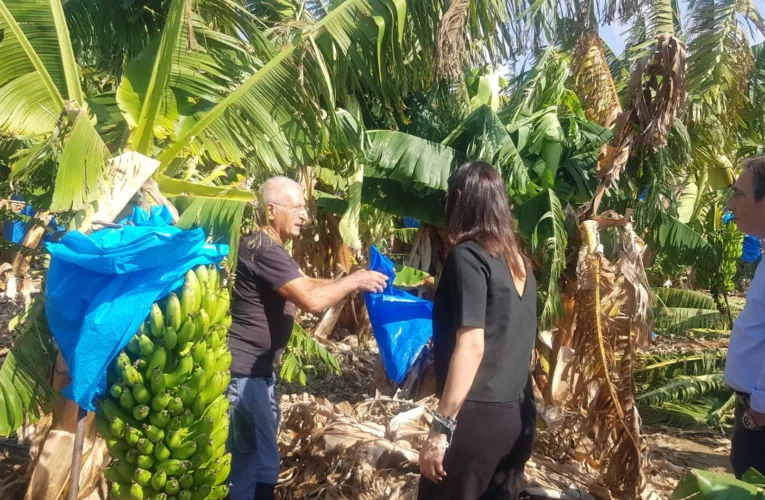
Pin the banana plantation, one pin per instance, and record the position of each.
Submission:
(618, 165)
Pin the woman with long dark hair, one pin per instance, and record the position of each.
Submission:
(484, 325)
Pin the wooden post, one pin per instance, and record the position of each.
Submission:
(74, 472)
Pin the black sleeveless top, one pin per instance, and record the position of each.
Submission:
(477, 290)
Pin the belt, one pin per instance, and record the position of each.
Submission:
(743, 398)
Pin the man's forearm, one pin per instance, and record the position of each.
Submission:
(329, 292)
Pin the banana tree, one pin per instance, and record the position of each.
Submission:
(203, 96)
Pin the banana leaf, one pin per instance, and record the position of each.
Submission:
(706, 485)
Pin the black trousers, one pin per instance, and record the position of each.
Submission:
(747, 447)
(488, 453)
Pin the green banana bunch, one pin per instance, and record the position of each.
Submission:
(165, 415)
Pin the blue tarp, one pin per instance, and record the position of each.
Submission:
(750, 248)
(101, 287)
(401, 323)
(15, 230)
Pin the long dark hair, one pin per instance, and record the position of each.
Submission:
(477, 209)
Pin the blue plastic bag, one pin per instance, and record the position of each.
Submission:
(15, 230)
(750, 250)
(100, 289)
(401, 323)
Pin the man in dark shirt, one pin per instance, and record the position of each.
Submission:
(269, 284)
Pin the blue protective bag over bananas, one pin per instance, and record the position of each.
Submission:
(100, 289)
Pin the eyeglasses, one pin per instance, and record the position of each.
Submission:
(294, 210)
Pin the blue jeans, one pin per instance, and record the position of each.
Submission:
(255, 416)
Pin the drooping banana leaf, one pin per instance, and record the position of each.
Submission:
(706, 485)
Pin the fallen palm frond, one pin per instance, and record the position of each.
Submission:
(683, 389)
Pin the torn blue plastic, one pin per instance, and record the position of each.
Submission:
(401, 323)
(100, 289)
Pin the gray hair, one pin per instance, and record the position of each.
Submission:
(273, 189)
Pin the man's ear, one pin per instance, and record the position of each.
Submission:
(270, 212)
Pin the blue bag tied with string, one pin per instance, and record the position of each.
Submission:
(401, 323)
(101, 287)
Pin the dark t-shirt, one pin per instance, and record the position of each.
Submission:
(262, 319)
(477, 290)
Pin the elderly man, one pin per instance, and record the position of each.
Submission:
(269, 284)
(745, 367)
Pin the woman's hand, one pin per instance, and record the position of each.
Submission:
(432, 457)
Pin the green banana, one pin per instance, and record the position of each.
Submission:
(131, 456)
(116, 427)
(127, 400)
(131, 376)
(173, 312)
(196, 460)
(160, 496)
(141, 394)
(156, 321)
(137, 493)
(226, 321)
(184, 495)
(140, 365)
(154, 434)
(158, 480)
(213, 341)
(160, 401)
(181, 373)
(218, 408)
(170, 338)
(126, 469)
(111, 473)
(209, 303)
(172, 486)
(121, 361)
(188, 301)
(158, 384)
(213, 281)
(141, 412)
(219, 437)
(160, 418)
(174, 440)
(116, 390)
(145, 461)
(118, 448)
(133, 345)
(219, 492)
(191, 277)
(202, 492)
(175, 424)
(120, 491)
(223, 362)
(175, 406)
(199, 477)
(198, 405)
(198, 379)
(222, 305)
(186, 395)
(208, 364)
(187, 418)
(146, 345)
(185, 450)
(206, 448)
(203, 276)
(172, 467)
(145, 446)
(186, 481)
(161, 451)
(223, 470)
(103, 426)
(132, 435)
(110, 409)
(215, 386)
(198, 350)
(142, 476)
(201, 324)
(186, 332)
(158, 359)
